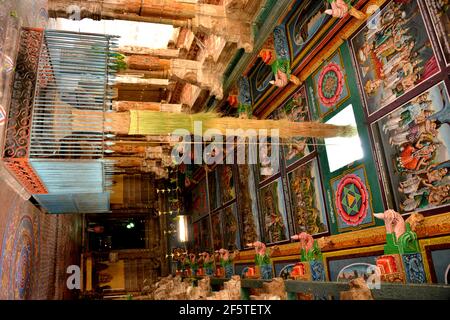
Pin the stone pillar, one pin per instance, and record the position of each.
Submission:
(146, 62)
(232, 21)
(122, 106)
(127, 149)
(195, 73)
(159, 53)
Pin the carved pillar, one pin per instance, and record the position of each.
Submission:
(244, 98)
(231, 21)
(126, 162)
(124, 148)
(194, 72)
(159, 53)
(146, 62)
(122, 106)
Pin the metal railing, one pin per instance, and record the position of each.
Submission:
(73, 91)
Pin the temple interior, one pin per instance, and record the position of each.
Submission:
(224, 149)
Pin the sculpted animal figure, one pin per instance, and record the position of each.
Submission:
(306, 241)
(262, 259)
(393, 221)
(208, 263)
(309, 248)
(340, 8)
(226, 261)
(399, 237)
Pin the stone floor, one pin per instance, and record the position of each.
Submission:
(35, 249)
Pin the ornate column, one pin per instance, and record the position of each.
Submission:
(232, 20)
(122, 106)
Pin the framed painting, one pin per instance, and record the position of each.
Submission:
(199, 201)
(273, 210)
(227, 187)
(213, 190)
(346, 265)
(352, 200)
(296, 109)
(437, 262)
(330, 85)
(259, 79)
(269, 154)
(230, 227)
(305, 26)
(413, 145)
(217, 231)
(269, 159)
(440, 15)
(393, 54)
(248, 205)
(196, 233)
(308, 207)
(205, 234)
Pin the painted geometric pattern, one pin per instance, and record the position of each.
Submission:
(317, 271)
(330, 87)
(352, 200)
(414, 269)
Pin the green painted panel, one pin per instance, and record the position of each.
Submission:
(364, 168)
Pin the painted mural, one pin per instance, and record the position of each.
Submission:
(416, 141)
(230, 228)
(199, 201)
(393, 54)
(353, 271)
(266, 168)
(440, 15)
(330, 85)
(305, 24)
(226, 179)
(216, 231)
(205, 234)
(348, 267)
(307, 199)
(274, 212)
(296, 109)
(352, 200)
(212, 185)
(196, 234)
(259, 79)
(248, 205)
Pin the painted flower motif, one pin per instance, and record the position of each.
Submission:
(331, 84)
(352, 200)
